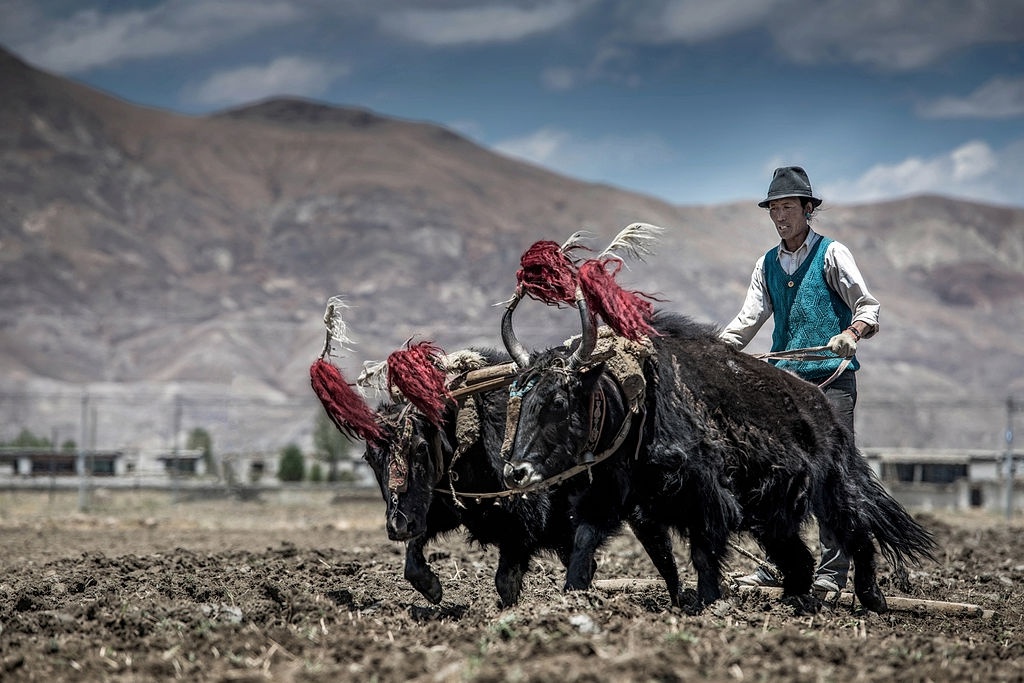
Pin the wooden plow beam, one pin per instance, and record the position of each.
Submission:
(845, 598)
(483, 379)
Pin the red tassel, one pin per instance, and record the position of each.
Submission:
(347, 409)
(623, 310)
(415, 372)
(547, 274)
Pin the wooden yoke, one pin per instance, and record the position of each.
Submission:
(482, 379)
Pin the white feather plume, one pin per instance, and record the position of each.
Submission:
(635, 240)
(575, 239)
(373, 376)
(334, 322)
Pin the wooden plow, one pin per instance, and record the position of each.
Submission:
(844, 599)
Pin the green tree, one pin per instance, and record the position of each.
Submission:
(26, 439)
(200, 439)
(290, 466)
(316, 473)
(332, 446)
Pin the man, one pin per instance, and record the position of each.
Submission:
(812, 287)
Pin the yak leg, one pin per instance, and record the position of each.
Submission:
(865, 568)
(707, 512)
(706, 555)
(419, 573)
(582, 564)
(788, 552)
(656, 541)
(508, 579)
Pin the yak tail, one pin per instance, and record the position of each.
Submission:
(900, 537)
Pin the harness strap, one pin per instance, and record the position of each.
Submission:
(398, 462)
(598, 405)
(467, 433)
(808, 353)
(562, 476)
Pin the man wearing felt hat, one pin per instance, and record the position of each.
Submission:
(811, 286)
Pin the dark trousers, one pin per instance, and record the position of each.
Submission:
(842, 394)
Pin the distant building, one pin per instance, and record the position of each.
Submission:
(947, 478)
(42, 462)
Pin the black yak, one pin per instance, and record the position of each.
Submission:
(420, 467)
(726, 443)
(436, 478)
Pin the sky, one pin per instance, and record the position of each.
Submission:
(691, 101)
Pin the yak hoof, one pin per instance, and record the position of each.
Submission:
(873, 600)
(429, 587)
(509, 587)
(804, 604)
(691, 603)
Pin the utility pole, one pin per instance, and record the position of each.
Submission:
(83, 502)
(174, 461)
(1011, 463)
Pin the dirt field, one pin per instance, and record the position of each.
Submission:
(306, 587)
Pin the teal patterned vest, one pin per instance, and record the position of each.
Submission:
(807, 311)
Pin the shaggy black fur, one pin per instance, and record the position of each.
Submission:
(730, 443)
(520, 527)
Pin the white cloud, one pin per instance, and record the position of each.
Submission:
(696, 21)
(504, 23)
(885, 34)
(91, 38)
(540, 147)
(895, 34)
(559, 78)
(596, 159)
(971, 171)
(999, 98)
(282, 76)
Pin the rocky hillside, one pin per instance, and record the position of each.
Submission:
(141, 248)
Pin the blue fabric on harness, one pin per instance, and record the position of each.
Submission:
(807, 312)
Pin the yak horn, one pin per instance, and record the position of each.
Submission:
(589, 339)
(514, 347)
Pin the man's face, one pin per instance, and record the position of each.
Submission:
(788, 216)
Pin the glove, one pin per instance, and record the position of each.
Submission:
(843, 344)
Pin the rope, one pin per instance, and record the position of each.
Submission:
(808, 353)
(562, 476)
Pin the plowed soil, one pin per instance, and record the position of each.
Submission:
(305, 586)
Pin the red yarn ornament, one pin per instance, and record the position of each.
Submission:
(347, 409)
(625, 311)
(547, 274)
(416, 373)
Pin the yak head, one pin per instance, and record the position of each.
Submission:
(554, 423)
(549, 405)
(408, 463)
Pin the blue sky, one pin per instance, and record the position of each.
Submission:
(692, 101)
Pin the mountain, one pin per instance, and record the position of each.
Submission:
(149, 255)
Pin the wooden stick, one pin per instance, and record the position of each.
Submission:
(483, 379)
(896, 603)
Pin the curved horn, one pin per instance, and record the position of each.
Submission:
(589, 339)
(514, 347)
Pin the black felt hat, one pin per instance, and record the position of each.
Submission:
(789, 181)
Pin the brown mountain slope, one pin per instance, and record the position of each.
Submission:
(141, 246)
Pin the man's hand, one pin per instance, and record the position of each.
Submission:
(843, 344)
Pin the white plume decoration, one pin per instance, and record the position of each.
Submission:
(636, 240)
(373, 375)
(334, 322)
